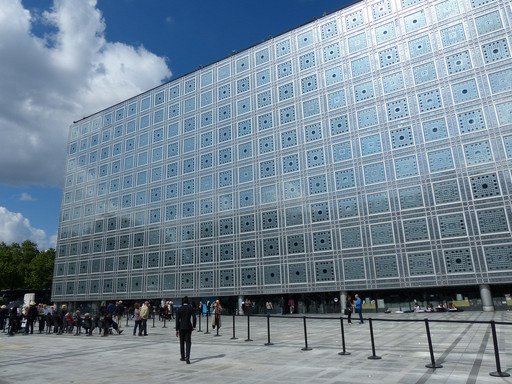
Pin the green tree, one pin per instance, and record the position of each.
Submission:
(24, 266)
(40, 271)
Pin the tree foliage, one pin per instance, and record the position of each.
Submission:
(23, 266)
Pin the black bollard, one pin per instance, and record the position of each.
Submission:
(306, 348)
(153, 320)
(268, 331)
(207, 321)
(498, 372)
(248, 328)
(127, 319)
(234, 337)
(344, 352)
(164, 322)
(200, 316)
(373, 356)
(433, 363)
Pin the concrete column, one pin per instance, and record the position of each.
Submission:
(485, 295)
(343, 300)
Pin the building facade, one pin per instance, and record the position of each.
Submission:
(369, 149)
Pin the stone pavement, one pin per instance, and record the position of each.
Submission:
(465, 351)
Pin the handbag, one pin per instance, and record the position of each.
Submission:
(347, 311)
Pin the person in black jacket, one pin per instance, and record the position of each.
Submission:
(31, 318)
(185, 324)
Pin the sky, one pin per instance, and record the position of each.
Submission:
(62, 60)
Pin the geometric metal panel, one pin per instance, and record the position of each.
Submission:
(446, 191)
(498, 257)
(386, 266)
(485, 186)
(458, 260)
(420, 263)
(452, 225)
(492, 220)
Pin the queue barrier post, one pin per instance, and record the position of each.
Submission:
(433, 363)
(306, 348)
(268, 331)
(344, 351)
(248, 328)
(373, 356)
(234, 337)
(498, 372)
(207, 323)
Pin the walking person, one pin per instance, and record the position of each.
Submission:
(359, 307)
(349, 308)
(185, 324)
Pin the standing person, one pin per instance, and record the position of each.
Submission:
(359, 308)
(144, 316)
(41, 317)
(4, 315)
(137, 319)
(349, 307)
(185, 324)
(291, 305)
(119, 312)
(217, 309)
(31, 317)
(268, 307)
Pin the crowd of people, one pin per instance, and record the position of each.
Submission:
(53, 319)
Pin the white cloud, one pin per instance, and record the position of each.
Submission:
(47, 83)
(26, 197)
(14, 228)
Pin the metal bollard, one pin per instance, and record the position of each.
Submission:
(306, 348)
(343, 352)
(200, 317)
(153, 320)
(207, 321)
(433, 363)
(164, 322)
(373, 356)
(268, 331)
(234, 337)
(248, 328)
(498, 372)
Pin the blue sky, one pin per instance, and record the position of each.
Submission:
(66, 59)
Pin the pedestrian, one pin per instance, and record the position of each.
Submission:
(14, 321)
(78, 322)
(291, 305)
(88, 324)
(31, 317)
(137, 319)
(268, 307)
(217, 309)
(119, 312)
(359, 307)
(185, 324)
(41, 317)
(4, 315)
(349, 307)
(144, 316)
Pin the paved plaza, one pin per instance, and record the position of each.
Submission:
(465, 351)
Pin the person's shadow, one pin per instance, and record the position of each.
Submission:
(193, 361)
